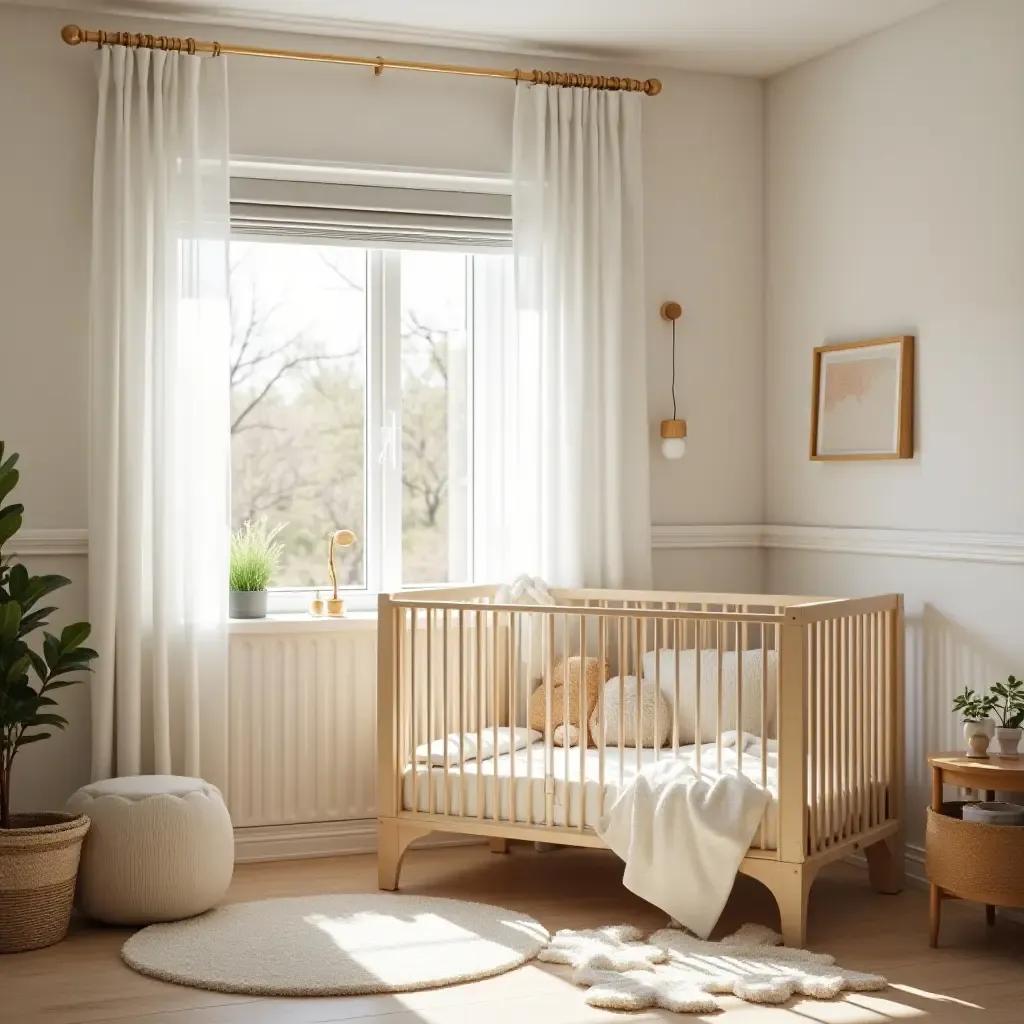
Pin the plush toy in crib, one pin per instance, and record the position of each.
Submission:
(565, 697)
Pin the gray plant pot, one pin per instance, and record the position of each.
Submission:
(247, 604)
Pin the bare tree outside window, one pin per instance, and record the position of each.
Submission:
(298, 400)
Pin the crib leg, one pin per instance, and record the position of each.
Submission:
(393, 839)
(886, 868)
(791, 890)
(499, 845)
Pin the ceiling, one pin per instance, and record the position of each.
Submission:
(753, 37)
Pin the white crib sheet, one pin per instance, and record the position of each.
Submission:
(521, 783)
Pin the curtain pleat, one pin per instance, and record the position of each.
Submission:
(565, 420)
(159, 439)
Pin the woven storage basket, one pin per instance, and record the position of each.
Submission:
(38, 867)
(974, 861)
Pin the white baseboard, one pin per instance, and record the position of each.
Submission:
(306, 840)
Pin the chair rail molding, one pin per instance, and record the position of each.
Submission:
(992, 548)
(995, 548)
(51, 542)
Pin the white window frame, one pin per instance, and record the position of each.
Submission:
(383, 492)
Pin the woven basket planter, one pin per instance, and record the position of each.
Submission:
(38, 868)
(974, 861)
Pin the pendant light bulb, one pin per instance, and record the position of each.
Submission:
(673, 438)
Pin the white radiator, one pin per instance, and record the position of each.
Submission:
(301, 725)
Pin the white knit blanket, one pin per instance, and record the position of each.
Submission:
(682, 838)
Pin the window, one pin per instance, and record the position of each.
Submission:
(352, 404)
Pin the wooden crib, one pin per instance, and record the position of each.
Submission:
(823, 714)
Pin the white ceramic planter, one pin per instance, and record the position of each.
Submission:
(978, 737)
(1009, 742)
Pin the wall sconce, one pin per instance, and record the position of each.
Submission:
(673, 431)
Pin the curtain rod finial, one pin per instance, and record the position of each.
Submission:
(72, 35)
(652, 86)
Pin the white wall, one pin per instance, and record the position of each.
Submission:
(895, 204)
(703, 153)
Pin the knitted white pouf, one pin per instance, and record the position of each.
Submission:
(160, 848)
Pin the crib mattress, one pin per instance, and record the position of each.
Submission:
(516, 784)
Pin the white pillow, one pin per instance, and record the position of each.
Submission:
(506, 742)
(666, 660)
(649, 699)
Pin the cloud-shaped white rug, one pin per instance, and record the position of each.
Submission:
(676, 971)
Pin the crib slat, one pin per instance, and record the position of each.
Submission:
(510, 669)
(549, 748)
(444, 708)
(602, 653)
(827, 729)
(584, 722)
(658, 625)
(462, 712)
(431, 799)
(877, 725)
(478, 661)
(414, 623)
(675, 701)
(741, 647)
(637, 734)
(623, 669)
(764, 724)
(528, 692)
(719, 698)
(495, 715)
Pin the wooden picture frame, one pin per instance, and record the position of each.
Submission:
(862, 400)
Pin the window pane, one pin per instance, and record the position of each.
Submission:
(298, 400)
(436, 488)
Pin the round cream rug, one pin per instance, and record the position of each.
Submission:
(337, 945)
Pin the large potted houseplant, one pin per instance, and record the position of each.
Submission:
(975, 709)
(255, 554)
(1009, 712)
(38, 852)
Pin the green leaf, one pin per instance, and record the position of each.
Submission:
(11, 461)
(34, 620)
(18, 579)
(8, 481)
(19, 667)
(39, 665)
(40, 586)
(58, 720)
(74, 635)
(51, 649)
(56, 684)
(31, 737)
(10, 620)
(9, 526)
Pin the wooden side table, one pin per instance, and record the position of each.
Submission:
(965, 860)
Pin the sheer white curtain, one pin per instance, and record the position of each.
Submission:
(566, 440)
(159, 435)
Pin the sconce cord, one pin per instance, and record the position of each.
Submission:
(674, 369)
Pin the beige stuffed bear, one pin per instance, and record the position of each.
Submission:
(566, 728)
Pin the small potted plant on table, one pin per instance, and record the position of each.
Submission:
(975, 709)
(1009, 711)
(39, 853)
(255, 554)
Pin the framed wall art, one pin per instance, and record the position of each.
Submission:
(862, 405)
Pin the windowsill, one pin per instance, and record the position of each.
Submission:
(301, 622)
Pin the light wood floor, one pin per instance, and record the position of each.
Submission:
(977, 974)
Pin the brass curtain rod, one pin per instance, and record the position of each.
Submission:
(73, 35)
